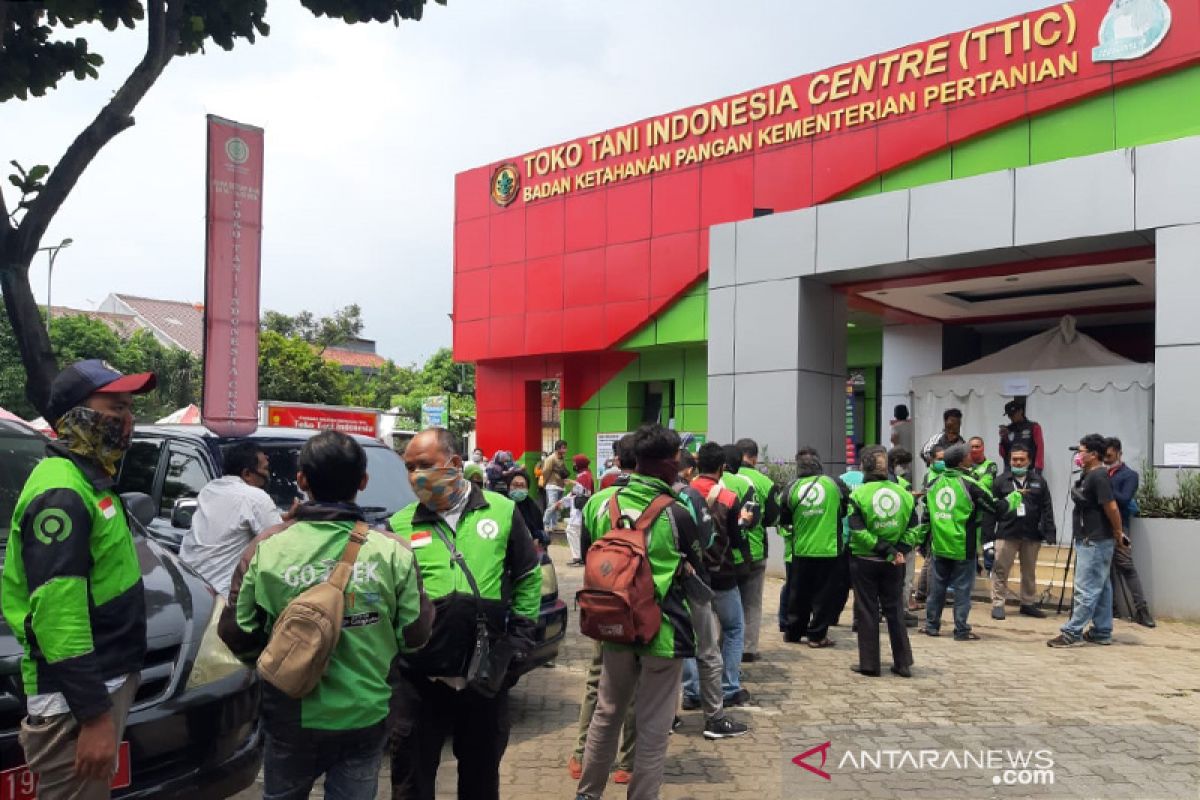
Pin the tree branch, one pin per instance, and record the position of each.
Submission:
(161, 42)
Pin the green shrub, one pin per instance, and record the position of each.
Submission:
(1183, 505)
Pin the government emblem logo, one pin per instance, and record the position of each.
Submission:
(237, 150)
(506, 181)
(1132, 29)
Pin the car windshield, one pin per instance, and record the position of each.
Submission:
(387, 490)
(18, 456)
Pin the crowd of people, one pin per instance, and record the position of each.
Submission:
(442, 603)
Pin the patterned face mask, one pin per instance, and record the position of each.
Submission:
(440, 488)
(99, 437)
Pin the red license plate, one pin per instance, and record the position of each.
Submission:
(19, 783)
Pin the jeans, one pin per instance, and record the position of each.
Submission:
(727, 605)
(959, 576)
(553, 495)
(349, 763)
(1093, 599)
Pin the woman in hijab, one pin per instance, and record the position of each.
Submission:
(531, 512)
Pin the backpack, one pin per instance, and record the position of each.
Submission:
(305, 635)
(715, 555)
(617, 603)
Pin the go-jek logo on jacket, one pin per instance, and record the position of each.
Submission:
(365, 573)
(885, 503)
(813, 498)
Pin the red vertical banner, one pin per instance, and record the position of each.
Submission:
(233, 251)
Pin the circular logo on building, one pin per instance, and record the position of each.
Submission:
(945, 498)
(506, 181)
(811, 498)
(487, 529)
(237, 150)
(885, 503)
(1132, 29)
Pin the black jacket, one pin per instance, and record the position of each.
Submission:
(1038, 520)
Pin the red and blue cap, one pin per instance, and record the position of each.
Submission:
(83, 379)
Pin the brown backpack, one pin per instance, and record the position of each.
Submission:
(305, 635)
(616, 603)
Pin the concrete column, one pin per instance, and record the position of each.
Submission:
(1176, 341)
(908, 351)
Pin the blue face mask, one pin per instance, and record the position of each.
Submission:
(938, 466)
(518, 495)
(1019, 471)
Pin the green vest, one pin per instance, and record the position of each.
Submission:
(763, 487)
(383, 597)
(72, 586)
(482, 539)
(816, 522)
(675, 638)
(885, 511)
(744, 488)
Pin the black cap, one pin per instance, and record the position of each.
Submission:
(1013, 405)
(82, 379)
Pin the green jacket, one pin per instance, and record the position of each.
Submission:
(766, 496)
(955, 507)
(673, 538)
(498, 550)
(746, 492)
(813, 507)
(72, 586)
(985, 473)
(387, 613)
(883, 520)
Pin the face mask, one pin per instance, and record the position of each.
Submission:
(519, 495)
(1019, 471)
(440, 488)
(102, 438)
(938, 467)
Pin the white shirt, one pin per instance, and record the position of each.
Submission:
(231, 513)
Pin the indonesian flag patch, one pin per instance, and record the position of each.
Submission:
(107, 507)
(420, 539)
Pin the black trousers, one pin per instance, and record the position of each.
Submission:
(838, 591)
(808, 594)
(424, 713)
(879, 584)
(1123, 569)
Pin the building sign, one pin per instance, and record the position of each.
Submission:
(233, 240)
(435, 412)
(1063, 45)
(352, 421)
(604, 450)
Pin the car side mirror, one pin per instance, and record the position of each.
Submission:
(182, 512)
(140, 506)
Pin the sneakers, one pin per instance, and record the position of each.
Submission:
(1033, 611)
(998, 612)
(724, 728)
(866, 673)
(1143, 618)
(903, 672)
(575, 768)
(691, 703)
(739, 698)
(966, 637)
(928, 631)
(622, 776)
(675, 723)
(1090, 637)
(1062, 640)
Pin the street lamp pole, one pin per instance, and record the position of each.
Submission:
(53, 252)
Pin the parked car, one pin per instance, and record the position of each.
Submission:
(172, 463)
(193, 730)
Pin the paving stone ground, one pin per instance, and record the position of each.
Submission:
(1138, 700)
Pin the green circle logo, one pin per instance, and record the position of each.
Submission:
(237, 150)
(52, 525)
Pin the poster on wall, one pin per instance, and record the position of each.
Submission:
(604, 450)
(232, 257)
(435, 412)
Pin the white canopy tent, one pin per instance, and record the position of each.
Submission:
(1074, 385)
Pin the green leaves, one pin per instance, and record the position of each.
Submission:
(29, 184)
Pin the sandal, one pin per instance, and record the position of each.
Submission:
(826, 642)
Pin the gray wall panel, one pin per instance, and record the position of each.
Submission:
(777, 246)
(722, 255)
(962, 216)
(1089, 196)
(1177, 287)
(720, 330)
(766, 327)
(720, 408)
(862, 232)
(1168, 184)
(764, 410)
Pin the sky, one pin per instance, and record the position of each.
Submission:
(367, 125)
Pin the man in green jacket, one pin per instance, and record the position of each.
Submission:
(654, 669)
(955, 505)
(751, 582)
(433, 699)
(883, 531)
(72, 587)
(984, 471)
(339, 729)
(813, 507)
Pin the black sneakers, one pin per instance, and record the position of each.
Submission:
(1144, 618)
(1033, 611)
(691, 703)
(724, 728)
(739, 698)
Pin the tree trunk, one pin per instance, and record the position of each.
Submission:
(28, 327)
